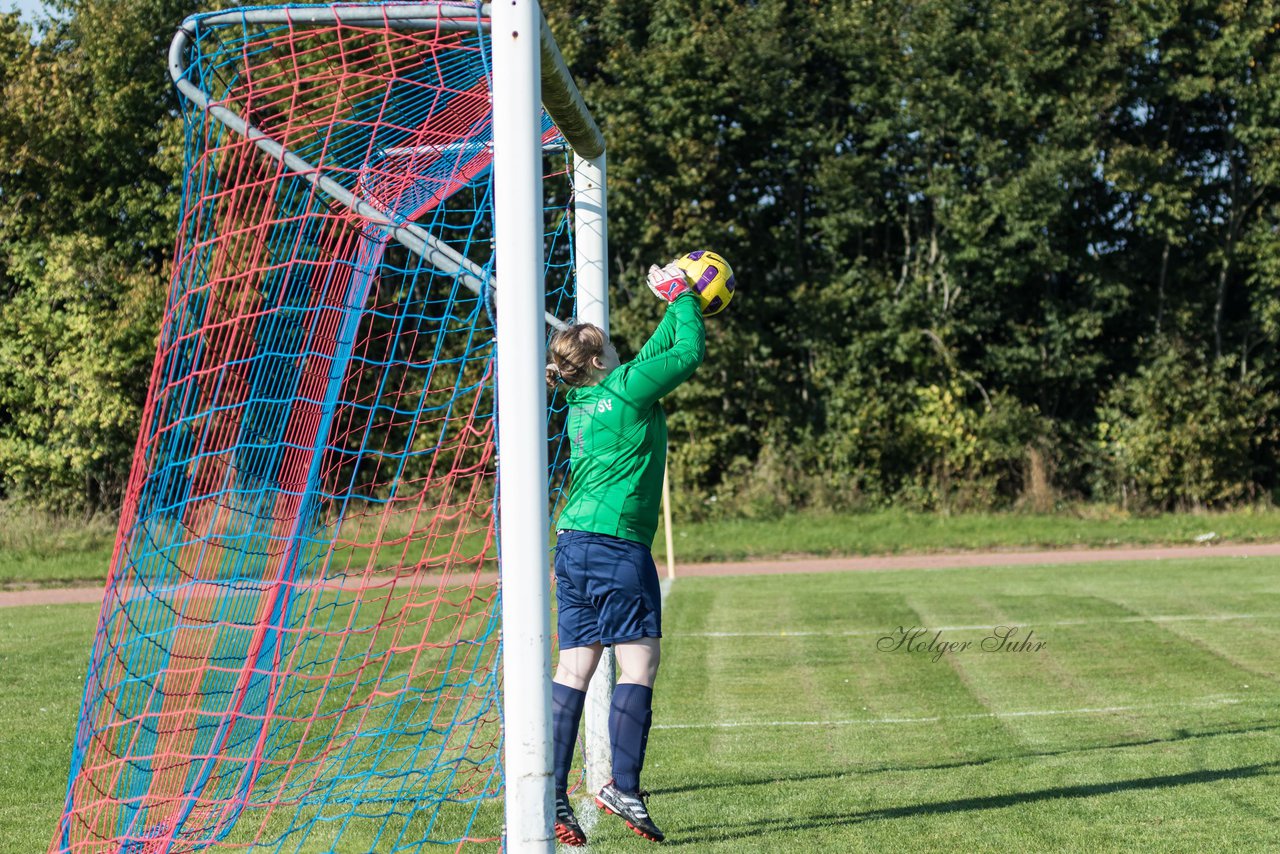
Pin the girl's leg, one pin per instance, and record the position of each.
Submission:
(577, 665)
(568, 694)
(632, 712)
(638, 661)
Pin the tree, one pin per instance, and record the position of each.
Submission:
(89, 179)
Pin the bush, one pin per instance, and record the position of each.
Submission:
(1184, 434)
(929, 448)
(973, 455)
(76, 345)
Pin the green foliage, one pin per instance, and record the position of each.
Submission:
(1179, 434)
(962, 233)
(89, 159)
(954, 225)
(74, 362)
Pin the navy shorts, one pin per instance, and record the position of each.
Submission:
(607, 590)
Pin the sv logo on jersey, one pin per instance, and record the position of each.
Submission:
(605, 405)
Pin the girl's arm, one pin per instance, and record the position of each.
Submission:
(670, 356)
(661, 338)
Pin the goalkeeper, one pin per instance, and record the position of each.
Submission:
(607, 588)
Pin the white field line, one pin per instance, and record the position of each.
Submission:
(1155, 618)
(1028, 713)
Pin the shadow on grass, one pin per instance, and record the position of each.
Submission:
(1181, 735)
(721, 832)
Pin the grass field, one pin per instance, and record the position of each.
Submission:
(43, 653)
(1149, 720)
(902, 532)
(42, 551)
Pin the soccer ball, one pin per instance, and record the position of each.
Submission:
(711, 277)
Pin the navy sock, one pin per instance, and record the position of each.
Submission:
(629, 720)
(566, 711)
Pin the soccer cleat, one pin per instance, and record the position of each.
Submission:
(630, 807)
(568, 831)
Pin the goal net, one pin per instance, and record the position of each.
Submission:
(298, 646)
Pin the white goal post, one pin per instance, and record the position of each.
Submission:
(529, 73)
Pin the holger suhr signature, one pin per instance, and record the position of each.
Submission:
(930, 642)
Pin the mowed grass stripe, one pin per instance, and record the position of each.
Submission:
(871, 722)
(1184, 760)
(1011, 666)
(1086, 621)
(1249, 647)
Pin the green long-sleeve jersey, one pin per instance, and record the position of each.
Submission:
(618, 431)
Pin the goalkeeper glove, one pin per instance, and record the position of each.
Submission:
(668, 282)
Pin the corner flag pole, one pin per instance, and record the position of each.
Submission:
(666, 519)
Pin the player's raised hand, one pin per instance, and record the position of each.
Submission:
(668, 282)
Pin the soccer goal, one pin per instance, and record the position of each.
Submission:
(326, 622)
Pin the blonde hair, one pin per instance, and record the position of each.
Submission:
(570, 354)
